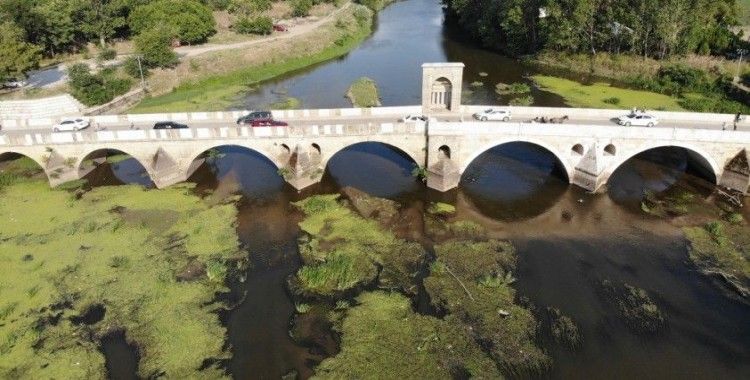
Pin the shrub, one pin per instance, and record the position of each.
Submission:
(131, 67)
(522, 101)
(362, 14)
(95, 89)
(375, 5)
(301, 8)
(681, 78)
(258, 25)
(613, 100)
(154, 45)
(106, 54)
(191, 21)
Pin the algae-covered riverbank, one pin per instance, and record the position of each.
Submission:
(78, 267)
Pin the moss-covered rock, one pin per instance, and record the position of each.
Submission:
(119, 247)
(384, 338)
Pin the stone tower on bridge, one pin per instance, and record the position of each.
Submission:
(441, 87)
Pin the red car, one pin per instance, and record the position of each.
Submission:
(268, 123)
(280, 28)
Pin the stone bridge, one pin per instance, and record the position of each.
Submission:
(590, 147)
(589, 154)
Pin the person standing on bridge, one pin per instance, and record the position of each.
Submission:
(737, 119)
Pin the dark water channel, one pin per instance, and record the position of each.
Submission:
(568, 241)
(408, 34)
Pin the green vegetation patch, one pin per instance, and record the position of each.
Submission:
(288, 103)
(364, 93)
(343, 250)
(634, 306)
(723, 250)
(599, 95)
(384, 338)
(471, 282)
(142, 255)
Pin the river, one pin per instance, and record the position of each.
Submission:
(568, 240)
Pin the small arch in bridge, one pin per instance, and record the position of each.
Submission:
(122, 172)
(315, 148)
(610, 150)
(577, 150)
(285, 149)
(444, 152)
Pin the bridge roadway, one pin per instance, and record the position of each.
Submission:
(378, 119)
(590, 146)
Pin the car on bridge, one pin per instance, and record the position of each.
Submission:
(268, 123)
(493, 114)
(255, 116)
(637, 119)
(67, 125)
(169, 125)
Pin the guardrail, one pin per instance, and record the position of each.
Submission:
(229, 117)
(229, 132)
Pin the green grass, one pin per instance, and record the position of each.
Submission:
(744, 7)
(72, 253)
(363, 93)
(384, 338)
(721, 247)
(597, 94)
(217, 93)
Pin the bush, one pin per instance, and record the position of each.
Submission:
(680, 78)
(132, 69)
(613, 100)
(154, 46)
(106, 54)
(258, 25)
(95, 89)
(522, 101)
(191, 21)
(301, 8)
(375, 5)
(362, 14)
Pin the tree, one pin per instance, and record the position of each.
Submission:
(191, 21)
(154, 46)
(105, 18)
(249, 7)
(18, 55)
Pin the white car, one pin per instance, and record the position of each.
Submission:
(637, 119)
(14, 84)
(493, 114)
(412, 119)
(70, 125)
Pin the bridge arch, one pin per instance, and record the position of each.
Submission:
(79, 166)
(9, 153)
(404, 152)
(565, 164)
(701, 156)
(282, 149)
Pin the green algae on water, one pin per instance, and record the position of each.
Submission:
(141, 256)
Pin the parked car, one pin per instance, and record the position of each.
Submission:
(637, 119)
(412, 118)
(280, 27)
(268, 123)
(255, 116)
(169, 125)
(70, 125)
(493, 114)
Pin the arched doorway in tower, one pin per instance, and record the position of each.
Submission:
(441, 91)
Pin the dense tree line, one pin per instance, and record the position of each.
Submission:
(652, 28)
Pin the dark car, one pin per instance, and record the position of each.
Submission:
(169, 125)
(255, 116)
(268, 123)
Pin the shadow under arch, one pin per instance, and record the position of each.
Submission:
(661, 169)
(230, 169)
(113, 167)
(18, 164)
(377, 168)
(514, 180)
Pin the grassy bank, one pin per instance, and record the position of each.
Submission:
(152, 260)
(215, 81)
(602, 95)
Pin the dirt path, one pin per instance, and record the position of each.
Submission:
(294, 31)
